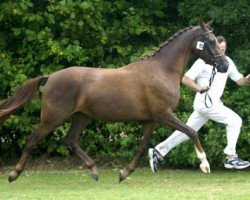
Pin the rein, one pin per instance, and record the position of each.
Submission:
(210, 83)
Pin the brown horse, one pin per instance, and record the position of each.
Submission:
(146, 91)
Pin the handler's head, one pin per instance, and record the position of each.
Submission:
(222, 43)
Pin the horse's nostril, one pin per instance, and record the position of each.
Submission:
(223, 67)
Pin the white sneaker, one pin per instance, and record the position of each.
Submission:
(236, 163)
(153, 159)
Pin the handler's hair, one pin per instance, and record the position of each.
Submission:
(221, 39)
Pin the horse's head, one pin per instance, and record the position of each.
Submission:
(208, 49)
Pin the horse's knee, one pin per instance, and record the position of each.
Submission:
(70, 144)
(193, 135)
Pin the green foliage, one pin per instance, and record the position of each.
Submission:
(41, 37)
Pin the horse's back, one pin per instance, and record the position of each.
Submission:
(109, 94)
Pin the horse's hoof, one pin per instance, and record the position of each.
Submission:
(206, 170)
(13, 176)
(205, 167)
(94, 176)
(121, 176)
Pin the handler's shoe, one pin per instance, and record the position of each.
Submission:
(153, 159)
(236, 163)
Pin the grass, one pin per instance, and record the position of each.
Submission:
(141, 185)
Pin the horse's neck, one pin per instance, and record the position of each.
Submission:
(175, 55)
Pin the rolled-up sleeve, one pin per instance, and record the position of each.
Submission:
(195, 69)
(234, 74)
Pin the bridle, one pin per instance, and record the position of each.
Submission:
(212, 62)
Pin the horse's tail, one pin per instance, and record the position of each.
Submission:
(25, 94)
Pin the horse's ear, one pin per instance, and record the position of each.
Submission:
(202, 24)
(210, 23)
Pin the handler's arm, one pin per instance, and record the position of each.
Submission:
(244, 80)
(192, 85)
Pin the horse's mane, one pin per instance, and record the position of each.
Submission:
(168, 42)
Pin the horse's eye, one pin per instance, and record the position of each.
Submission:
(214, 41)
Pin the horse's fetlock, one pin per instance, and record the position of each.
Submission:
(91, 165)
(19, 169)
(130, 170)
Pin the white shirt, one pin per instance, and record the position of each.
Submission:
(201, 72)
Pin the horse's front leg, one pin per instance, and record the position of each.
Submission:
(147, 130)
(172, 121)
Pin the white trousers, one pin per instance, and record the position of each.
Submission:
(218, 113)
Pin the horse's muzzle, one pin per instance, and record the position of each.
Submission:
(223, 67)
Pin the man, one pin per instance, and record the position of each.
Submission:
(207, 105)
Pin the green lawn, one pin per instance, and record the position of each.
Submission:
(141, 185)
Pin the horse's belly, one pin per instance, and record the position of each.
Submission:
(115, 108)
(107, 114)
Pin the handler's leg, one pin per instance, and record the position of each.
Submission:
(174, 122)
(233, 122)
(195, 121)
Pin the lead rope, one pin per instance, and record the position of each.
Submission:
(210, 83)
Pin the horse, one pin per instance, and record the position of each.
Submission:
(147, 91)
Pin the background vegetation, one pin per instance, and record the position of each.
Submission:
(40, 37)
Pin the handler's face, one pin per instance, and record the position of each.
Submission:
(223, 47)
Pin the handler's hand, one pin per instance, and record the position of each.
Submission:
(204, 89)
(248, 78)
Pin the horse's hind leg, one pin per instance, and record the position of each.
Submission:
(79, 123)
(147, 130)
(50, 119)
(32, 141)
(172, 121)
